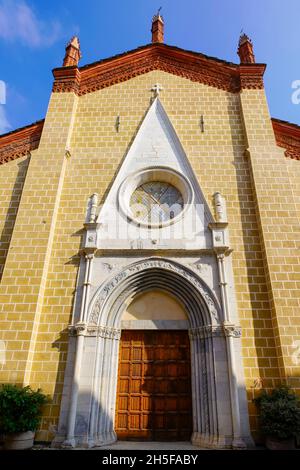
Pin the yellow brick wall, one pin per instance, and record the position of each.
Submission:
(220, 163)
(25, 270)
(276, 208)
(293, 168)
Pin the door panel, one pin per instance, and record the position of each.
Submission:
(154, 386)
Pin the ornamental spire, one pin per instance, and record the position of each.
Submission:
(73, 53)
(245, 49)
(157, 29)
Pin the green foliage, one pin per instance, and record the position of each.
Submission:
(279, 413)
(20, 408)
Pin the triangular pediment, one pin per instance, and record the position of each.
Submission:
(155, 153)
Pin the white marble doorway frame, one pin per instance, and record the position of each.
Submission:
(90, 421)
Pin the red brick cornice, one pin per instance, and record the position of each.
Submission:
(251, 75)
(194, 66)
(17, 143)
(287, 136)
(67, 79)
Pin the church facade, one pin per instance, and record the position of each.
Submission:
(149, 257)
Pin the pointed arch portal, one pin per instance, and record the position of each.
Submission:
(91, 414)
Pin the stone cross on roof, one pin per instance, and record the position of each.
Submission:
(156, 89)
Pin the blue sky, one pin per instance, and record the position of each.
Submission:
(33, 35)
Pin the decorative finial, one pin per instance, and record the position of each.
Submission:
(245, 49)
(93, 208)
(73, 53)
(157, 27)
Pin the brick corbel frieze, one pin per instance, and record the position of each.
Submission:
(193, 66)
(251, 76)
(18, 143)
(287, 136)
(66, 79)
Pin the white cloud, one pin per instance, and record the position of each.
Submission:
(4, 124)
(18, 22)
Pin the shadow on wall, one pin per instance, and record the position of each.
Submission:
(49, 423)
(87, 403)
(12, 211)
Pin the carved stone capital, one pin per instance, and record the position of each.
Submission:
(206, 331)
(209, 331)
(77, 330)
(93, 330)
(230, 329)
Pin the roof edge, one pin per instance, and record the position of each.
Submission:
(23, 128)
(287, 136)
(194, 66)
(157, 45)
(19, 142)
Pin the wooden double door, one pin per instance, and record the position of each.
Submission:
(154, 399)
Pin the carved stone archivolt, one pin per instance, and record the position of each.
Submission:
(144, 266)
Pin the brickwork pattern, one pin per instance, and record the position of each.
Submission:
(12, 177)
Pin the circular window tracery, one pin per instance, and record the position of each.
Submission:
(156, 202)
(155, 197)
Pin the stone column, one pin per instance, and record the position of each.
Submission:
(231, 331)
(80, 331)
(102, 416)
(205, 418)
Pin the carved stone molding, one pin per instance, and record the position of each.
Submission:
(92, 330)
(143, 266)
(206, 331)
(108, 332)
(199, 266)
(209, 331)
